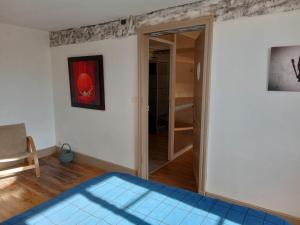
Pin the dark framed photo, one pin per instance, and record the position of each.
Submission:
(87, 82)
(284, 70)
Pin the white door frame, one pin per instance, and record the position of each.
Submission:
(143, 80)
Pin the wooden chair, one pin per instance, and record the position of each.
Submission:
(16, 146)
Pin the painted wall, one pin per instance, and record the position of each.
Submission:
(110, 134)
(26, 83)
(253, 153)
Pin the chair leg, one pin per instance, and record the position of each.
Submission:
(37, 165)
(29, 160)
(32, 149)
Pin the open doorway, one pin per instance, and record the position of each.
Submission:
(173, 91)
(159, 93)
(177, 169)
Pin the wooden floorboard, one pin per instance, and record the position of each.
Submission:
(23, 191)
(177, 173)
(158, 149)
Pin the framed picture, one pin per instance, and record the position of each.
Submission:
(87, 82)
(284, 70)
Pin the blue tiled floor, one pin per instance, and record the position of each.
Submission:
(121, 199)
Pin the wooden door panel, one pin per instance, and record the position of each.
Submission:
(197, 117)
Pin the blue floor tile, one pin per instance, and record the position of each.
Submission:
(175, 217)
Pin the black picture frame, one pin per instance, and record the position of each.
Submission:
(98, 81)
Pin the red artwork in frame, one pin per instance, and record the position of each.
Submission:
(86, 82)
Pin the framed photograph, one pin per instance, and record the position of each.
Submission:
(87, 82)
(284, 70)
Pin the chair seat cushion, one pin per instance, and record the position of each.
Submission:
(12, 140)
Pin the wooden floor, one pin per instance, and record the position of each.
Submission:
(182, 139)
(158, 147)
(177, 173)
(158, 150)
(22, 192)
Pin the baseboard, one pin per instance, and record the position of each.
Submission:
(158, 168)
(182, 151)
(291, 219)
(46, 152)
(101, 164)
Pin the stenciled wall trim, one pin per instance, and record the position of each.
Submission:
(220, 9)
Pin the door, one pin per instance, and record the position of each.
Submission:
(198, 106)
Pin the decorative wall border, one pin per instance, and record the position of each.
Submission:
(221, 9)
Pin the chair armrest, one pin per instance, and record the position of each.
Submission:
(30, 145)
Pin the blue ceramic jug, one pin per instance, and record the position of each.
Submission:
(66, 155)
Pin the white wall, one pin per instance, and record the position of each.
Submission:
(110, 134)
(254, 144)
(25, 82)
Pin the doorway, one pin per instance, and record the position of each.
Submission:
(159, 94)
(173, 99)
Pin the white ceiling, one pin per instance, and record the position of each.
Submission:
(55, 15)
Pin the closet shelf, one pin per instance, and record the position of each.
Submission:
(184, 106)
(183, 128)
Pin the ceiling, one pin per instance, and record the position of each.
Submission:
(52, 15)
